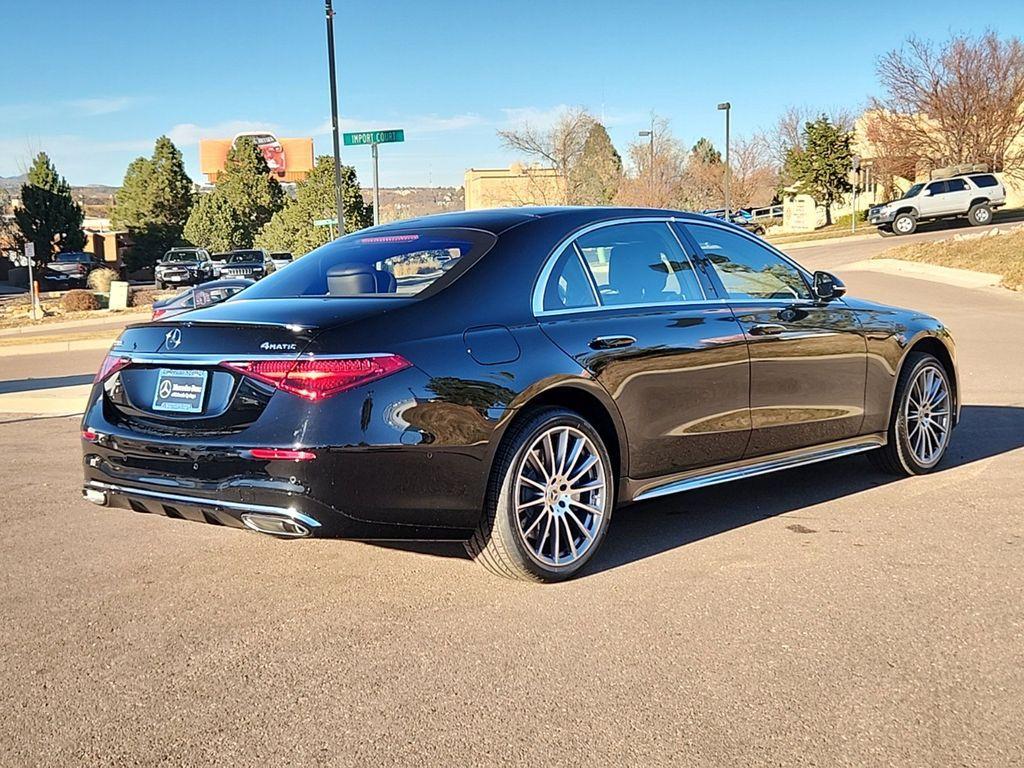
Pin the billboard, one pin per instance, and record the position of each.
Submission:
(287, 159)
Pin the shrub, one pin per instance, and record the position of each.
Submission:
(100, 279)
(79, 301)
(144, 297)
(844, 220)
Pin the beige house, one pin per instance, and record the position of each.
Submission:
(513, 186)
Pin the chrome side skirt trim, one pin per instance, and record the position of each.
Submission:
(762, 465)
(197, 501)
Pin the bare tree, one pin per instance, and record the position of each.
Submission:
(788, 132)
(560, 147)
(755, 176)
(959, 102)
(655, 178)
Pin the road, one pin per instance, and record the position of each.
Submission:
(823, 616)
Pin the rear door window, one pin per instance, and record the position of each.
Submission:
(639, 263)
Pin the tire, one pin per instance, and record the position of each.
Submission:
(511, 540)
(904, 224)
(161, 286)
(900, 455)
(980, 215)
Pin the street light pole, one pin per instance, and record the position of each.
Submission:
(650, 133)
(726, 106)
(329, 11)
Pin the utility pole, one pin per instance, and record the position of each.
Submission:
(726, 106)
(329, 10)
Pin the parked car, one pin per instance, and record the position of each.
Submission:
(281, 259)
(252, 263)
(570, 361)
(740, 218)
(185, 266)
(970, 195)
(199, 296)
(72, 268)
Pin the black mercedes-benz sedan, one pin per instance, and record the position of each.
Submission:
(508, 378)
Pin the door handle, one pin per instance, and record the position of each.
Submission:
(611, 342)
(767, 329)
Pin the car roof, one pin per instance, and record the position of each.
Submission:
(498, 220)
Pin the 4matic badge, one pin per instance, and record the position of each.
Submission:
(278, 346)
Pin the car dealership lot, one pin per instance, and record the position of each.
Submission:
(827, 615)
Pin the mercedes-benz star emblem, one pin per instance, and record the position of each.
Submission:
(166, 388)
(173, 338)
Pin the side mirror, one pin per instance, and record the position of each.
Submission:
(827, 286)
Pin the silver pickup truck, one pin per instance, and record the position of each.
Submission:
(972, 195)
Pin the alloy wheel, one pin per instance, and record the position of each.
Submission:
(927, 415)
(560, 496)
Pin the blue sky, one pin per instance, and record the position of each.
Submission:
(94, 83)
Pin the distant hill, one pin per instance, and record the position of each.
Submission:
(409, 202)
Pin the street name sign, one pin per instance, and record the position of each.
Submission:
(373, 137)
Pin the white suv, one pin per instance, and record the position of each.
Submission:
(970, 195)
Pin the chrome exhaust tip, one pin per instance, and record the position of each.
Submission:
(275, 525)
(96, 497)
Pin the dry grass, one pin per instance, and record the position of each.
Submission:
(1001, 254)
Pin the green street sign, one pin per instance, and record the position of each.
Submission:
(325, 223)
(373, 137)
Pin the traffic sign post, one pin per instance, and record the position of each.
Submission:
(374, 138)
(30, 256)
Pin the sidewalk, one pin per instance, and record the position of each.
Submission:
(58, 401)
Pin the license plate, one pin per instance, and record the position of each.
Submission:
(179, 390)
(175, 278)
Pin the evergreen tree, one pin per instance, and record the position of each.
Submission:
(154, 203)
(705, 152)
(244, 200)
(213, 224)
(291, 229)
(821, 168)
(48, 215)
(600, 168)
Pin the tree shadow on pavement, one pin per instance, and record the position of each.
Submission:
(52, 382)
(650, 528)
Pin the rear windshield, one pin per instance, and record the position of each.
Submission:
(398, 263)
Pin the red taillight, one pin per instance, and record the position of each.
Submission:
(111, 364)
(316, 379)
(89, 435)
(280, 454)
(158, 313)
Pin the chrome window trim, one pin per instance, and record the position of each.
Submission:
(570, 240)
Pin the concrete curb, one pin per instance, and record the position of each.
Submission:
(798, 244)
(108, 319)
(49, 347)
(961, 278)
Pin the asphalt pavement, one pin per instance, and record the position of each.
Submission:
(828, 615)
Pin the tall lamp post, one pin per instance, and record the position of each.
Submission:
(329, 11)
(650, 134)
(726, 106)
